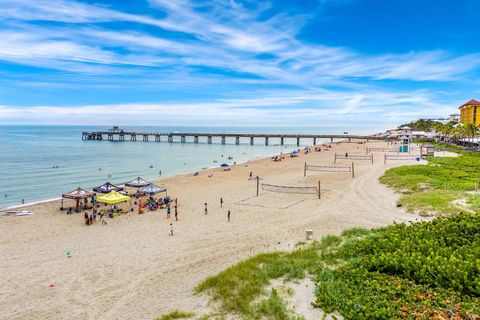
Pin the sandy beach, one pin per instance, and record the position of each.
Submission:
(132, 268)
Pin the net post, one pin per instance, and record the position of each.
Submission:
(335, 160)
(258, 185)
(366, 150)
(372, 158)
(384, 158)
(319, 191)
(305, 170)
(353, 169)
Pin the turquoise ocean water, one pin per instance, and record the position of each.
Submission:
(28, 155)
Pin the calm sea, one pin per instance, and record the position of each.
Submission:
(29, 156)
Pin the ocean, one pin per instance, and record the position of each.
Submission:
(42, 162)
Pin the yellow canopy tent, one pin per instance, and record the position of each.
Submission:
(113, 197)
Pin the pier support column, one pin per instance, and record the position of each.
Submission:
(121, 137)
(349, 139)
(209, 139)
(223, 139)
(237, 140)
(298, 141)
(282, 141)
(331, 140)
(314, 141)
(251, 140)
(182, 139)
(145, 137)
(99, 137)
(266, 141)
(195, 139)
(170, 139)
(157, 138)
(133, 137)
(110, 137)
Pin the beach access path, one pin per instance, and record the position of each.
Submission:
(132, 268)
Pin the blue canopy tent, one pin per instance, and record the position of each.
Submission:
(151, 189)
(107, 187)
(137, 183)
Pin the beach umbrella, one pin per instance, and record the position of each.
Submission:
(137, 183)
(224, 165)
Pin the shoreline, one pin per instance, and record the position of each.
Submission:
(153, 180)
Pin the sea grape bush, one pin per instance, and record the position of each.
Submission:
(423, 270)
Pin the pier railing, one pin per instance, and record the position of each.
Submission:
(169, 136)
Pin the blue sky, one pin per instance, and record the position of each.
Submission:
(351, 63)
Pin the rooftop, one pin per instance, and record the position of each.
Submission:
(470, 103)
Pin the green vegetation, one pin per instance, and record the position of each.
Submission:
(176, 315)
(421, 125)
(443, 186)
(419, 271)
(449, 132)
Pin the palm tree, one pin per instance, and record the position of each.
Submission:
(461, 133)
(438, 127)
(472, 131)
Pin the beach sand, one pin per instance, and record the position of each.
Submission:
(132, 268)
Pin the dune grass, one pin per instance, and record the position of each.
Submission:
(434, 188)
(432, 202)
(238, 288)
(176, 314)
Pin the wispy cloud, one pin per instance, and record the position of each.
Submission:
(183, 45)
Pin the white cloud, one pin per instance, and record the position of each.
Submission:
(314, 108)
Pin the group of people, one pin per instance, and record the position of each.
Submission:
(154, 204)
(92, 218)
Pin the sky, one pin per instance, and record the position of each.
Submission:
(303, 63)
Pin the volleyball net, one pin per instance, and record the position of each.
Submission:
(289, 189)
(346, 156)
(373, 149)
(310, 167)
(406, 157)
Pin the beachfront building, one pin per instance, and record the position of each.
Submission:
(468, 112)
(454, 117)
(404, 134)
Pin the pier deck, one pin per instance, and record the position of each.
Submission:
(120, 135)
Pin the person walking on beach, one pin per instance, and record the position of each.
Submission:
(221, 202)
(228, 215)
(251, 174)
(171, 230)
(206, 209)
(168, 211)
(176, 213)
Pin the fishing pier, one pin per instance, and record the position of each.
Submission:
(116, 134)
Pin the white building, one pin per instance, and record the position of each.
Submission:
(455, 117)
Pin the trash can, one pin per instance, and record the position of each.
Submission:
(309, 234)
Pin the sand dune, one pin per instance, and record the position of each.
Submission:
(132, 269)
